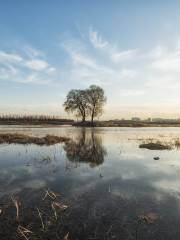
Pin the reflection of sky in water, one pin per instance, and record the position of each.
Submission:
(124, 168)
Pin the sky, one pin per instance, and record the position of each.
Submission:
(130, 48)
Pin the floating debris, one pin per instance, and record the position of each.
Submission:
(149, 217)
(156, 158)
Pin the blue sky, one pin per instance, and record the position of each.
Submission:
(130, 48)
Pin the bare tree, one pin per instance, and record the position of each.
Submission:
(95, 100)
(76, 102)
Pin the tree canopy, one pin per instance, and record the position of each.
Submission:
(87, 102)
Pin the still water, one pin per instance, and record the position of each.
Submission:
(115, 189)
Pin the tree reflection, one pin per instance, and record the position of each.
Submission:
(87, 148)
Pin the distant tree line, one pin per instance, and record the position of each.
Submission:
(14, 118)
(85, 103)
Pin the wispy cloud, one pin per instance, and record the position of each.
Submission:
(120, 56)
(97, 40)
(29, 66)
(9, 57)
(87, 68)
(111, 50)
(33, 52)
(37, 64)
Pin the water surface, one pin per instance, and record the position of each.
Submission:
(111, 185)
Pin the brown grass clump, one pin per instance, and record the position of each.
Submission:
(25, 139)
(23, 232)
(155, 146)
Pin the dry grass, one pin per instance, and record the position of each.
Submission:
(25, 139)
(40, 216)
(50, 194)
(24, 232)
(155, 146)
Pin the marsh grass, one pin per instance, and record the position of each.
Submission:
(160, 144)
(25, 139)
(34, 221)
(155, 146)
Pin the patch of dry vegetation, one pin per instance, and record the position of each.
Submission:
(37, 221)
(155, 146)
(25, 139)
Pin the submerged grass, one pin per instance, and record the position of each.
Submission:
(25, 139)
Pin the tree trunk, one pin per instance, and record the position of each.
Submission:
(92, 118)
(83, 115)
(83, 118)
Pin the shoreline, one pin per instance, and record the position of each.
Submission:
(122, 124)
(90, 126)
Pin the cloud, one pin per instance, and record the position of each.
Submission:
(37, 64)
(88, 68)
(33, 52)
(28, 66)
(131, 92)
(163, 69)
(119, 56)
(9, 57)
(80, 59)
(166, 64)
(97, 40)
(111, 50)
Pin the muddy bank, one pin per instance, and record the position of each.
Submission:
(25, 139)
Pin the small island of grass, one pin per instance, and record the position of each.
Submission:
(25, 139)
(155, 146)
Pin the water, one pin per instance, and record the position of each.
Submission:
(115, 189)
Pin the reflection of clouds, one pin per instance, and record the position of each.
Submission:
(168, 185)
(129, 172)
(27, 170)
(35, 184)
(21, 177)
(127, 156)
